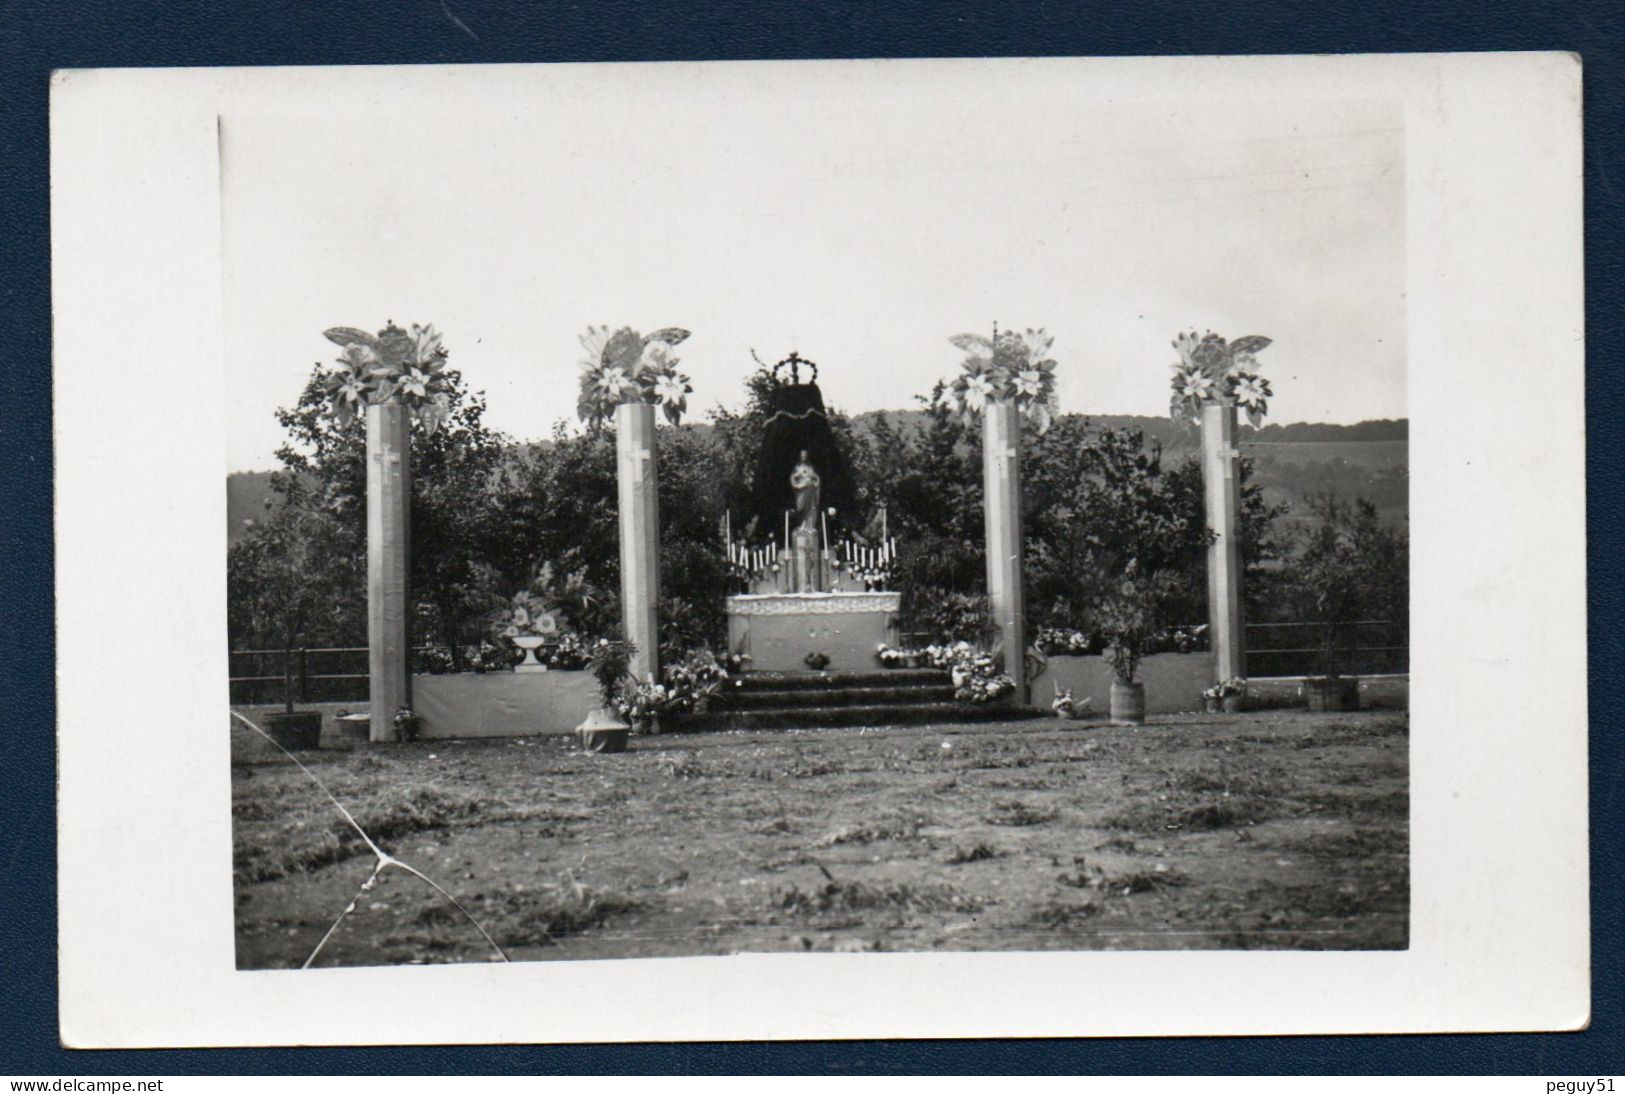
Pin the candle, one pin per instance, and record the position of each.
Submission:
(787, 531)
(823, 529)
(882, 522)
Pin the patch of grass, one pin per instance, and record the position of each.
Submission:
(1017, 814)
(1358, 843)
(895, 826)
(1140, 816)
(1063, 914)
(1233, 779)
(1122, 845)
(269, 843)
(977, 852)
(859, 896)
(1394, 805)
(1208, 816)
(1143, 881)
(682, 765)
(547, 915)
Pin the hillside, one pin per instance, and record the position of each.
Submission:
(1369, 459)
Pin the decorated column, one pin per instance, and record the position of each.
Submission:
(1008, 380)
(1001, 487)
(639, 498)
(624, 376)
(1223, 497)
(388, 379)
(1212, 379)
(389, 494)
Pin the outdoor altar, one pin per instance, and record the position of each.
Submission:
(811, 600)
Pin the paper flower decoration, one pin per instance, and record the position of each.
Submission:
(1011, 365)
(624, 366)
(391, 366)
(1213, 371)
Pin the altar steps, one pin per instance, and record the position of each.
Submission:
(808, 700)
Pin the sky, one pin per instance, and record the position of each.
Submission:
(858, 221)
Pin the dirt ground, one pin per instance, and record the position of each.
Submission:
(1278, 829)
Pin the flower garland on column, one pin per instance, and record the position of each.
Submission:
(624, 367)
(407, 367)
(1211, 370)
(1010, 365)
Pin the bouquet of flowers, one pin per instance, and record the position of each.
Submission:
(1211, 370)
(1225, 689)
(624, 366)
(527, 613)
(407, 724)
(640, 702)
(1065, 640)
(393, 365)
(1010, 365)
(692, 683)
(975, 677)
(571, 651)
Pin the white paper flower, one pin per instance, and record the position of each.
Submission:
(1029, 381)
(670, 389)
(978, 389)
(614, 380)
(1198, 385)
(1251, 391)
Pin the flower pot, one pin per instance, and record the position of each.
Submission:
(1212, 704)
(1234, 704)
(603, 731)
(354, 727)
(1127, 704)
(301, 729)
(1333, 694)
(530, 643)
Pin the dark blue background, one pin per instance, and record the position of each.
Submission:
(37, 36)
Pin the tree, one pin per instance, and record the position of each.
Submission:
(464, 478)
(1348, 567)
(286, 584)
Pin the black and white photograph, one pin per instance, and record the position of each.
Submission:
(825, 510)
(962, 530)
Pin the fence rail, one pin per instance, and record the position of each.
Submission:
(338, 674)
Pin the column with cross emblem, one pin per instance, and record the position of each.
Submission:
(1001, 501)
(1221, 479)
(389, 494)
(639, 496)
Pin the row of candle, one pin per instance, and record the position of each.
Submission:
(861, 556)
(753, 559)
(867, 557)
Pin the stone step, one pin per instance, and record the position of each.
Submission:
(882, 714)
(889, 678)
(935, 691)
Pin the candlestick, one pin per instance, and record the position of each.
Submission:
(787, 531)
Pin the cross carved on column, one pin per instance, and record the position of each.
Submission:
(389, 464)
(1007, 465)
(637, 459)
(1229, 457)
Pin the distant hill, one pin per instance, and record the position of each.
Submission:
(1292, 462)
(246, 495)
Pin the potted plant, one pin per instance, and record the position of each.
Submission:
(1128, 622)
(605, 730)
(1226, 695)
